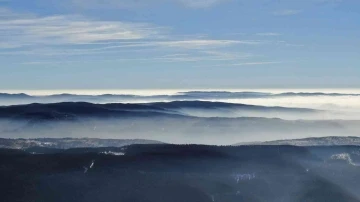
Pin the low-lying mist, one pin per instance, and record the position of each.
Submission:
(286, 115)
(188, 130)
(217, 118)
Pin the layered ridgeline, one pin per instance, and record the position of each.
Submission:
(71, 110)
(22, 98)
(311, 141)
(341, 105)
(190, 95)
(69, 143)
(163, 173)
(175, 122)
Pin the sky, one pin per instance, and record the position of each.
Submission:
(179, 44)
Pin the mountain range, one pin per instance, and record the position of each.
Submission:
(22, 98)
(70, 143)
(311, 141)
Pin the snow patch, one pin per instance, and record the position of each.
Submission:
(239, 177)
(346, 157)
(113, 153)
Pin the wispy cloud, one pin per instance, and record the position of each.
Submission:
(71, 29)
(268, 34)
(329, 1)
(201, 3)
(114, 47)
(199, 44)
(176, 57)
(48, 38)
(204, 43)
(184, 44)
(206, 56)
(140, 3)
(7, 45)
(286, 12)
(255, 63)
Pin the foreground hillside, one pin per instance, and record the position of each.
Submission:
(163, 173)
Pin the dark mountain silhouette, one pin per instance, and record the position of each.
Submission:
(224, 105)
(71, 110)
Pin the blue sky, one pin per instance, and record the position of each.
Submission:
(126, 44)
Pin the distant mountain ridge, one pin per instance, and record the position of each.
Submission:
(169, 122)
(189, 95)
(68, 143)
(312, 141)
(209, 105)
(72, 110)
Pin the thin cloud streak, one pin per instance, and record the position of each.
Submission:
(201, 3)
(110, 4)
(255, 63)
(184, 44)
(180, 57)
(287, 12)
(132, 46)
(242, 64)
(268, 34)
